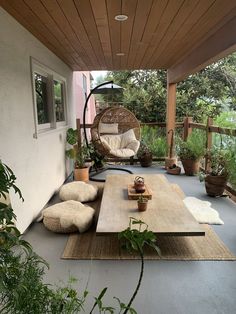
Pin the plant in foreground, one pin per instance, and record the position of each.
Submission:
(135, 239)
(22, 289)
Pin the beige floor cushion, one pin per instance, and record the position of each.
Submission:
(69, 216)
(78, 191)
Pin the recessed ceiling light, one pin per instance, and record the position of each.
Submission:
(120, 54)
(121, 17)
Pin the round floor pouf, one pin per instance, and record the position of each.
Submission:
(78, 191)
(67, 217)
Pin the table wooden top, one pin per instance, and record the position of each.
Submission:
(166, 213)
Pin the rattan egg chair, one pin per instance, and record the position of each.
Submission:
(124, 120)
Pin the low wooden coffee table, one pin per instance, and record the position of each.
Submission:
(166, 213)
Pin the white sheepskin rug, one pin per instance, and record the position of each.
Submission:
(78, 191)
(202, 211)
(71, 213)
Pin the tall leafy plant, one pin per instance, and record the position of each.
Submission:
(135, 239)
(193, 148)
(78, 154)
(22, 289)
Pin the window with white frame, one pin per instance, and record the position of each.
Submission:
(49, 90)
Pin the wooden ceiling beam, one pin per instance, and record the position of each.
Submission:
(219, 45)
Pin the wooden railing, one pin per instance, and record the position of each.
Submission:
(209, 128)
(131, 160)
(188, 125)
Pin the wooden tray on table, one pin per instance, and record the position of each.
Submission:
(132, 195)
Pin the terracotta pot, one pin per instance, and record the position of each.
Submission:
(215, 185)
(142, 206)
(81, 174)
(146, 161)
(176, 170)
(191, 167)
(169, 162)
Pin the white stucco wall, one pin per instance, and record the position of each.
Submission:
(39, 164)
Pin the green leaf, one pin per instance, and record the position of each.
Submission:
(71, 136)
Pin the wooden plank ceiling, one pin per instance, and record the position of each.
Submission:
(157, 34)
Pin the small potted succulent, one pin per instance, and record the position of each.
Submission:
(144, 155)
(79, 155)
(142, 203)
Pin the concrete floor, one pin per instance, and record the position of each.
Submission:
(168, 287)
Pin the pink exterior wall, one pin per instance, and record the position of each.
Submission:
(79, 97)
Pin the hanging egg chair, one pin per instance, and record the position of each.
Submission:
(115, 132)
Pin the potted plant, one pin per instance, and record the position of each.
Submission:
(97, 158)
(144, 155)
(218, 173)
(23, 271)
(79, 155)
(142, 203)
(191, 151)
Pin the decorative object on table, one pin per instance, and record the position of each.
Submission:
(133, 195)
(174, 169)
(67, 217)
(139, 185)
(78, 191)
(217, 176)
(79, 153)
(142, 203)
(191, 151)
(144, 155)
(171, 159)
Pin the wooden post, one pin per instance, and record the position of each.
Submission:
(170, 110)
(187, 128)
(208, 141)
(78, 132)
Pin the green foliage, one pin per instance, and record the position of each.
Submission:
(8, 232)
(226, 144)
(222, 163)
(144, 151)
(232, 167)
(226, 119)
(193, 147)
(203, 94)
(219, 160)
(78, 154)
(22, 289)
(155, 141)
(96, 157)
(135, 238)
(142, 199)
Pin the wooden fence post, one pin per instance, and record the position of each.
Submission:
(208, 141)
(187, 129)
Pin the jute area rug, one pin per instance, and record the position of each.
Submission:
(89, 246)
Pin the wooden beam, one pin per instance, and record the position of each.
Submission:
(170, 109)
(219, 45)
